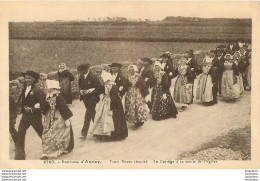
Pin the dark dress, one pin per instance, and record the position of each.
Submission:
(65, 79)
(120, 127)
(162, 108)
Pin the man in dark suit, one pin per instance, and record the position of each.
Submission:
(33, 106)
(118, 78)
(221, 60)
(231, 48)
(89, 89)
(147, 74)
(167, 65)
(193, 65)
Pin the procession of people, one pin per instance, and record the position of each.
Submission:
(114, 100)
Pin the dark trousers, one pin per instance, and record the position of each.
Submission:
(13, 132)
(219, 83)
(27, 120)
(89, 115)
(215, 92)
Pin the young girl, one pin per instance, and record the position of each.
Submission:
(135, 110)
(183, 84)
(163, 106)
(230, 88)
(57, 137)
(206, 80)
(110, 120)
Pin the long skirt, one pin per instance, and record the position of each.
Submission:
(66, 90)
(56, 138)
(241, 84)
(204, 88)
(103, 123)
(162, 108)
(135, 111)
(230, 88)
(182, 94)
(249, 75)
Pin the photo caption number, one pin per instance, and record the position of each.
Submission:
(48, 161)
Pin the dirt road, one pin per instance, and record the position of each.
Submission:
(155, 140)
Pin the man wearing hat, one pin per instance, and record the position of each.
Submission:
(231, 47)
(216, 67)
(220, 56)
(118, 78)
(167, 65)
(147, 74)
(33, 106)
(89, 89)
(193, 65)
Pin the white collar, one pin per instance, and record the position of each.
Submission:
(27, 90)
(114, 75)
(85, 75)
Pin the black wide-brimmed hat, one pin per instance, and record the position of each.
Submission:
(165, 55)
(148, 60)
(190, 51)
(84, 66)
(118, 65)
(213, 51)
(35, 75)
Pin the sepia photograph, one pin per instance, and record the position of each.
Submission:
(141, 87)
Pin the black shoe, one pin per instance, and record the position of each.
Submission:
(139, 124)
(82, 137)
(44, 158)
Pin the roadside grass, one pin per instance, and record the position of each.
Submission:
(239, 141)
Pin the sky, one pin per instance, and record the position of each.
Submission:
(153, 10)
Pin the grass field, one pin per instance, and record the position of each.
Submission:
(182, 30)
(45, 55)
(41, 46)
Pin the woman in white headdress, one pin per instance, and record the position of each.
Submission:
(109, 119)
(206, 80)
(230, 89)
(183, 85)
(135, 110)
(163, 106)
(57, 136)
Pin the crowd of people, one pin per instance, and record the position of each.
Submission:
(115, 99)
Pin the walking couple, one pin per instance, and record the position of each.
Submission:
(56, 130)
(108, 116)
